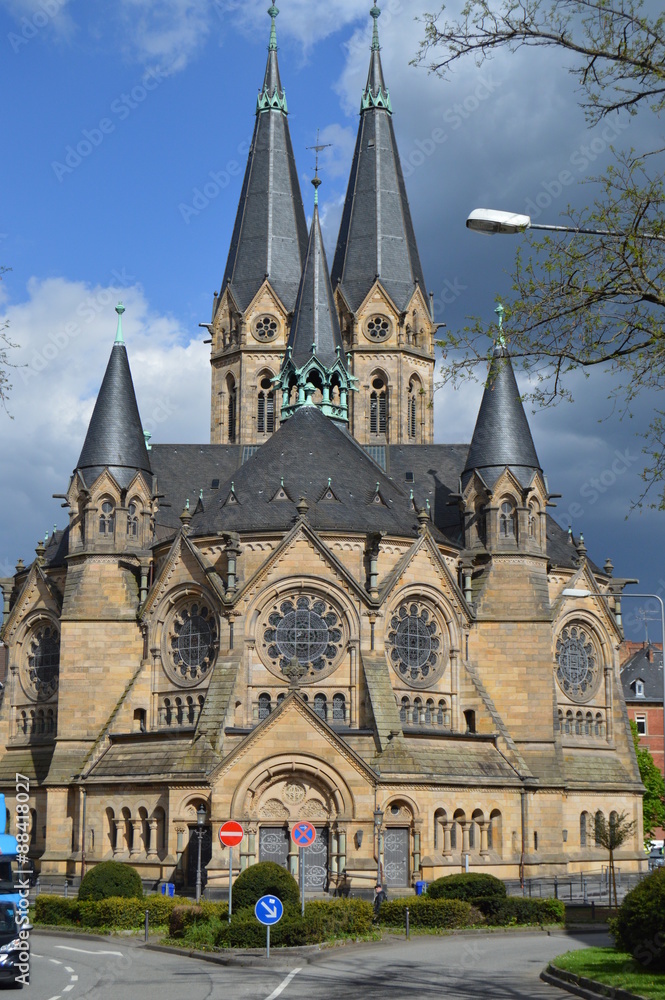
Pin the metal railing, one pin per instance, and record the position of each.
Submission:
(582, 887)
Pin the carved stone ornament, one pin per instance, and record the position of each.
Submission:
(302, 638)
(415, 644)
(578, 670)
(190, 641)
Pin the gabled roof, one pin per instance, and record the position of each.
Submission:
(315, 325)
(115, 435)
(646, 665)
(376, 237)
(270, 233)
(502, 437)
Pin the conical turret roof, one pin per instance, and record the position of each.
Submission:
(315, 325)
(502, 436)
(270, 233)
(115, 437)
(376, 237)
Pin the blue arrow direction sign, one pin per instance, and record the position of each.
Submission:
(269, 910)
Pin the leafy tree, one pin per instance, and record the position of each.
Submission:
(5, 346)
(611, 836)
(586, 301)
(653, 806)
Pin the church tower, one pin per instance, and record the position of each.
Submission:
(378, 282)
(251, 315)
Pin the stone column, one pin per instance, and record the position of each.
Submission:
(137, 829)
(152, 850)
(118, 844)
(484, 849)
(293, 858)
(465, 839)
(416, 851)
(334, 848)
(341, 850)
(251, 846)
(447, 849)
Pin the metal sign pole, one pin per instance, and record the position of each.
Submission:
(267, 940)
(230, 882)
(302, 881)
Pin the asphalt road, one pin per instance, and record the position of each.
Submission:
(500, 966)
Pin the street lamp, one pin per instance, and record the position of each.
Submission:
(201, 816)
(378, 821)
(656, 597)
(492, 221)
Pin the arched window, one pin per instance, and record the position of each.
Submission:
(507, 520)
(265, 705)
(404, 710)
(339, 708)
(40, 720)
(23, 723)
(133, 520)
(417, 710)
(179, 718)
(569, 723)
(584, 828)
(443, 714)
(598, 826)
(378, 407)
(599, 724)
(560, 719)
(495, 832)
(579, 723)
(429, 712)
(481, 523)
(280, 697)
(321, 705)
(265, 406)
(533, 520)
(190, 710)
(50, 721)
(106, 518)
(470, 720)
(231, 409)
(412, 408)
(614, 816)
(168, 712)
(588, 724)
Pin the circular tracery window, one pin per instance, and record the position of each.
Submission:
(266, 328)
(415, 644)
(378, 327)
(307, 628)
(43, 662)
(578, 671)
(192, 643)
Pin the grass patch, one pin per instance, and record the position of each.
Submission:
(614, 968)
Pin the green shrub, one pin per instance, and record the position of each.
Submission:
(265, 878)
(640, 924)
(56, 910)
(424, 912)
(471, 885)
(182, 917)
(111, 878)
(516, 910)
(117, 911)
(160, 908)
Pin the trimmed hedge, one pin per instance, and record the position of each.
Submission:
(115, 912)
(424, 912)
(639, 926)
(516, 910)
(471, 886)
(265, 878)
(110, 879)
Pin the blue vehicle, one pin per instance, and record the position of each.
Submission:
(9, 892)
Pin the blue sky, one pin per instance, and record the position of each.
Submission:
(125, 135)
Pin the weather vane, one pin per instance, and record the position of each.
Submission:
(317, 149)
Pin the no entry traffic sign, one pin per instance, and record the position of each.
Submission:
(303, 834)
(231, 833)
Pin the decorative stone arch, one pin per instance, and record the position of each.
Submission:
(311, 772)
(407, 809)
(576, 625)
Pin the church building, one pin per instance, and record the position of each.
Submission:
(323, 614)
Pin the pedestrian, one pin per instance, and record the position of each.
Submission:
(379, 896)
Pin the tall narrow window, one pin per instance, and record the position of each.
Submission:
(339, 708)
(232, 410)
(132, 521)
(265, 407)
(533, 520)
(411, 410)
(321, 705)
(106, 518)
(507, 520)
(378, 407)
(265, 706)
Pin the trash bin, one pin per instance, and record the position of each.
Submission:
(167, 889)
(421, 888)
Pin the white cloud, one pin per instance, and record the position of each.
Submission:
(165, 32)
(66, 330)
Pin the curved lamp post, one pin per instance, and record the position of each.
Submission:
(492, 221)
(201, 816)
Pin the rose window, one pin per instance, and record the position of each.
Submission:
(266, 328)
(305, 628)
(378, 328)
(577, 672)
(414, 643)
(44, 660)
(192, 643)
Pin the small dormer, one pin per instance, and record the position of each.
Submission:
(638, 688)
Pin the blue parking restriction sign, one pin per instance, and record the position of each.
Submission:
(269, 910)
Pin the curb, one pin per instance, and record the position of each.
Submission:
(589, 989)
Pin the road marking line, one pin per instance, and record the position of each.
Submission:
(68, 968)
(75, 979)
(86, 951)
(282, 986)
(57, 997)
(66, 989)
(56, 961)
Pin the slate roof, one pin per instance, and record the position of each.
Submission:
(270, 233)
(502, 436)
(315, 321)
(181, 470)
(590, 770)
(650, 670)
(451, 761)
(155, 757)
(376, 237)
(115, 434)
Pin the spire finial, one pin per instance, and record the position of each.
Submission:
(273, 11)
(501, 340)
(317, 180)
(376, 14)
(118, 336)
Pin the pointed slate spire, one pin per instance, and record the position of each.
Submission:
(270, 233)
(502, 436)
(376, 237)
(315, 354)
(115, 436)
